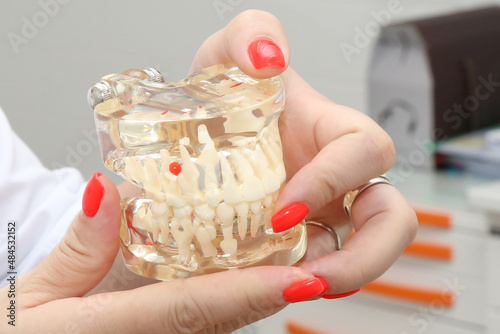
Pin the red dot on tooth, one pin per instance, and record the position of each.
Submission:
(175, 168)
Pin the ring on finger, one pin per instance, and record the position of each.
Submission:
(351, 196)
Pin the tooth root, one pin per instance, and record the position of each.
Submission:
(204, 239)
(281, 172)
(229, 245)
(151, 180)
(242, 227)
(155, 229)
(225, 213)
(256, 207)
(255, 224)
(232, 193)
(268, 201)
(269, 152)
(188, 178)
(141, 219)
(243, 166)
(133, 169)
(210, 227)
(183, 239)
(268, 214)
(203, 135)
(242, 212)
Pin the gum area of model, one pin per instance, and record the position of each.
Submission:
(207, 154)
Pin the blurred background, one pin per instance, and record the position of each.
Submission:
(52, 51)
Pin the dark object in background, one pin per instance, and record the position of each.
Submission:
(436, 78)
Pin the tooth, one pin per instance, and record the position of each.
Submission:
(175, 201)
(204, 212)
(243, 167)
(229, 245)
(213, 197)
(232, 193)
(204, 239)
(270, 181)
(183, 212)
(256, 207)
(255, 224)
(152, 180)
(183, 239)
(225, 213)
(188, 178)
(142, 219)
(268, 202)
(242, 212)
(253, 189)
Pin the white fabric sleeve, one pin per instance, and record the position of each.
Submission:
(43, 203)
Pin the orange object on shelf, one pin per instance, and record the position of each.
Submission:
(443, 297)
(430, 250)
(439, 219)
(294, 327)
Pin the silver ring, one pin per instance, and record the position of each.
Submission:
(351, 196)
(336, 236)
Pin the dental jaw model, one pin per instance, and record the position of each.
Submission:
(207, 154)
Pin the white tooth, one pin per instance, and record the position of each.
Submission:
(255, 224)
(253, 189)
(188, 177)
(183, 212)
(195, 199)
(232, 192)
(229, 245)
(159, 208)
(213, 196)
(242, 212)
(225, 213)
(183, 239)
(203, 135)
(256, 207)
(242, 227)
(243, 167)
(204, 212)
(270, 181)
(175, 201)
(157, 196)
(204, 239)
(210, 226)
(155, 228)
(184, 141)
(164, 230)
(269, 152)
(242, 209)
(196, 224)
(133, 169)
(268, 214)
(268, 202)
(142, 219)
(151, 180)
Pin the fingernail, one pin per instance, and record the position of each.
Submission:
(265, 53)
(340, 295)
(92, 195)
(305, 290)
(289, 216)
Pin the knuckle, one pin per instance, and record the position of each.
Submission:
(185, 313)
(380, 148)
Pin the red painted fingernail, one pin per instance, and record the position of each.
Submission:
(289, 216)
(265, 53)
(304, 290)
(340, 295)
(92, 195)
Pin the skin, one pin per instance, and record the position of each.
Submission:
(329, 149)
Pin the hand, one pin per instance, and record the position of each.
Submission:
(329, 150)
(50, 296)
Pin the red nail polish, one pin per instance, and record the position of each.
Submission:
(92, 195)
(304, 290)
(289, 216)
(340, 295)
(265, 53)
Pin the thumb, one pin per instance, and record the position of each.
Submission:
(85, 254)
(254, 41)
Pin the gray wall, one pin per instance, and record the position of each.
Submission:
(44, 80)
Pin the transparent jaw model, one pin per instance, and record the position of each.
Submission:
(207, 154)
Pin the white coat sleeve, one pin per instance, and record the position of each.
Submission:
(41, 202)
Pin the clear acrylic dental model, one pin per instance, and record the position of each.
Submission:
(207, 154)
